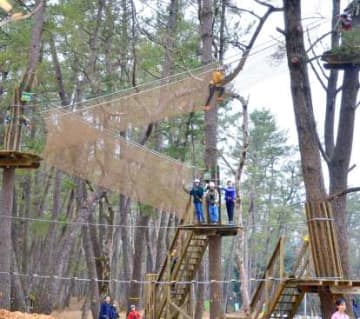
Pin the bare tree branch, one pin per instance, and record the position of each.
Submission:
(246, 53)
(344, 192)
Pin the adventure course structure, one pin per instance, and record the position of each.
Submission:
(85, 141)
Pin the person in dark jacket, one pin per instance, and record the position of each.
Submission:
(197, 192)
(106, 309)
(115, 310)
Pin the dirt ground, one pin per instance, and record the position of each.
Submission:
(4, 314)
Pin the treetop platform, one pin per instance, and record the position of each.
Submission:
(341, 60)
(16, 159)
(212, 229)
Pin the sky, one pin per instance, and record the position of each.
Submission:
(267, 83)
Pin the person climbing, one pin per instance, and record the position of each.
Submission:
(340, 310)
(197, 192)
(230, 195)
(173, 260)
(133, 314)
(216, 85)
(106, 309)
(212, 199)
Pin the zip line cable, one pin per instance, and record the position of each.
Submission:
(228, 60)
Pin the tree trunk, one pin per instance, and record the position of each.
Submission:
(139, 253)
(126, 246)
(340, 161)
(5, 236)
(49, 295)
(200, 292)
(304, 116)
(94, 296)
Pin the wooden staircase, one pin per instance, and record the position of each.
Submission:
(278, 295)
(170, 291)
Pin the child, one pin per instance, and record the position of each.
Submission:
(215, 85)
(341, 310)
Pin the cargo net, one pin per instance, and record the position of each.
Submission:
(83, 142)
(166, 98)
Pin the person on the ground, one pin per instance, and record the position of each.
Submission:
(197, 192)
(133, 314)
(230, 195)
(115, 310)
(355, 308)
(212, 200)
(216, 85)
(106, 309)
(340, 310)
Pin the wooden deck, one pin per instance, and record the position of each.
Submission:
(212, 229)
(15, 159)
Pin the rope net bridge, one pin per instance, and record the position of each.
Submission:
(82, 142)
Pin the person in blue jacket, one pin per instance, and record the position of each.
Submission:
(230, 196)
(106, 309)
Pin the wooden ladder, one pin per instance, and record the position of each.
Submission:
(277, 295)
(171, 291)
(286, 301)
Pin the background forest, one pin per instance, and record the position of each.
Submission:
(90, 48)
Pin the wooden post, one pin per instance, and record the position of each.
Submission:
(215, 276)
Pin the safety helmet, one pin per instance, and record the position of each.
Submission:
(196, 180)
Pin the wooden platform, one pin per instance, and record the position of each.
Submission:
(15, 159)
(340, 62)
(212, 229)
(314, 285)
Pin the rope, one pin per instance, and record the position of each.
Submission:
(203, 69)
(145, 282)
(65, 223)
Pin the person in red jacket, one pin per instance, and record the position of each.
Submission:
(133, 314)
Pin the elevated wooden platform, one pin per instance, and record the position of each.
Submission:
(212, 229)
(340, 61)
(16, 159)
(314, 285)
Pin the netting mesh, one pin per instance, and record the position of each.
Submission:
(115, 163)
(82, 142)
(174, 96)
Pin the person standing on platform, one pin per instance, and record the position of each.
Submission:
(197, 192)
(230, 195)
(212, 200)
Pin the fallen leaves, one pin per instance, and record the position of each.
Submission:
(4, 314)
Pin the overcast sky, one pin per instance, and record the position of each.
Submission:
(268, 85)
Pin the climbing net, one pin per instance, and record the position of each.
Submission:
(86, 141)
(166, 98)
